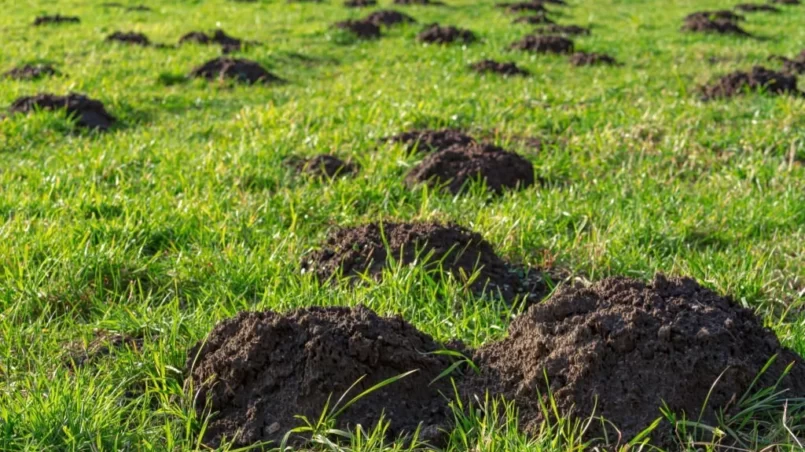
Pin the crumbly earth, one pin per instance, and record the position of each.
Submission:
(88, 113)
(237, 69)
(622, 347)
(758, 79)
(497, 67)
(31, 72)
(438, 34)
(431, 140)
(544, 44)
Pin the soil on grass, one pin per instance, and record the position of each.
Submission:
(56, 19)
(31, 72)
(497, 67)
(362, 29)
(537, 19)
(756, 8)
(387, 18)
(129, 38)
(89, 113)
(237, 69)
(431, 140)
(569, 30)
(360, 3)
(786, 2)
(437, 34)
(544, 44)
(758, 79)
(723, 14)
(455, 167)
(704, 24)
(519, 7)
(261, 369)
(324, 165)
(632, 346)
(228, 43)
(418, 2)
(592, 59)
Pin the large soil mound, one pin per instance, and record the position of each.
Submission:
(633, 346)
(236, 69)
(431, 140)
(88, 112)
(758, 79)
(260, 369)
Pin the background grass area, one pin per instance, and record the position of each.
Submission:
(184, 214)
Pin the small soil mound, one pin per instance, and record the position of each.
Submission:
(88, 112)
(362, 29)
(360, 3)
(632, 345)
(592, 59)
(437, 34)
(31, 72)
(496, 67)
(324, 165)
(569, 30)
(703, 24)
(228, 43)
(261, 369)
(431, 140)
(387, 18)
(195, 37)
(418, 2)
(237, 69)
(56, 19)
(758, 79)
(756, 8)
(723, 14)
(544, 44)
(519, 7)
(538, 19)
(129, 38)
(456, 166)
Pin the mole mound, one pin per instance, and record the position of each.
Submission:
(632, 346)
(570, 30)
(228, 43)
(538, 19)
(88, 112)
(31, 72)
(237, 69)
(360, 3)
(261, 369)
(756, 8)
(496, 67)
(388, 18)
(455, 167)
(129, 38)
(758, 79)
(704, 24)
(437, 34)
(363, 29)
(532, 6)
(57, 19)
(325, 165)
(431, 140)
(544, 44)
(592, 59)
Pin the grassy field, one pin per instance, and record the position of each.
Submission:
(184, 213)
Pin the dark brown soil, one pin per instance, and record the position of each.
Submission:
(537, 19)
(325, 165)
(702, 24)
(228, 43)
(437, 34)
(431, 140)
(756, 8)
(569, 30)
(363, 29)
(496, 67)
(31, 72)
(454, 167)
(129, 38)
(519, 7)
(237, 69)
(592, 59)
(418, 2)
(56, 19)
(758, 79)
(387, 18)
(723, 14)
(360, 3)
(633, 346)
(260, 369)
(544, 44)
(88, 112)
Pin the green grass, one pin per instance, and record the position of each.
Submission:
(184, 214)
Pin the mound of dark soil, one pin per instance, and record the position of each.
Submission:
(544, 44)
(569, 30)
(702, 24)
(537, 19)
(260, 369)
(360, 3)
(532, 6)
(129, 38)
(454, 167)
(362, 29)
(431, 140)
(592, 59)
(387, 18)
(31, 72)
(633, 346)
(437, 34)
(228, 43)
(418, 2)
(88, 112)
(758, 79)
(723, 14)
(496, 67)
(238, 69)
(325, 165)
(756, 8)
(56, 19)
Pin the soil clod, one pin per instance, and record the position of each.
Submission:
(89, 113)
(496, 67)
(237, 69)
(437, 34)
(544, 44)
(31, 72)
(129, 38)
(56, 19)
(568, 30)
(362, 29)
(758, 79)
(592, 59)
(387, 18)
(324, 165)
(431, 140)
(756, 8)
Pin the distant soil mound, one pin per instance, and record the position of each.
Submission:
(31, 72)
(55, 20)
(388, 18)
(438, 34)
(236, 69)
(592, 59)
(497, 67)
(362, 29)
(129, 38)
(88, 113)
(758, 79)
(544, 44)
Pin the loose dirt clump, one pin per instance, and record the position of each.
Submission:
(456, 166)
(228, 43)
(431, 140)
(703, 24)
(544, 44)
(129, 38)
(360, 3)
(569, 30)
(56, 19)
(756, 8)
(31, 72)
(621, 348)
(592, 59)
(538, 19)
(261, 369)
(88, 112)
(325, 165)
(437, 34)
(496, 67)
(758, 79)
(387, 18)
(237, 69)
(362, 29)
